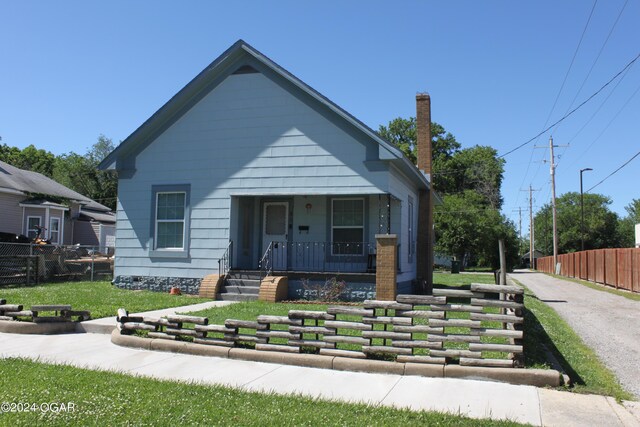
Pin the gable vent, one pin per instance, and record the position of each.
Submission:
(246, 69)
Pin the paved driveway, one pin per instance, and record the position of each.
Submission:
(608, 323)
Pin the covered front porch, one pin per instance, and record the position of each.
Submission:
(309, 233)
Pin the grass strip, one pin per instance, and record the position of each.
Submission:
(107, 398)
(102, 299)
(456, 280)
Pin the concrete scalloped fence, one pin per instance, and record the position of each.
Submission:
(39, 319)
(474, 341)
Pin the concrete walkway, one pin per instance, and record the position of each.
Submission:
(608, 323)
(477, 399)
(107, 324)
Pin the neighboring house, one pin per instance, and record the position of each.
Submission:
(249, 164)
(29, 199)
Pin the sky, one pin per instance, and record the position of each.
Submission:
(499, 73)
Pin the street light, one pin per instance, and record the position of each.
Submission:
(582, 210)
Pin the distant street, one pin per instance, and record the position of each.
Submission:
(607, 323)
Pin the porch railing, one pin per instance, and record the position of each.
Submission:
(345, 257)
(224, 263)
(266, 262)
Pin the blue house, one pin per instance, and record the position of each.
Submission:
(249, 168)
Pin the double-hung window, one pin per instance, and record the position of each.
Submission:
(170, 225)
(347, 226)
(54, 230)
(170, 220)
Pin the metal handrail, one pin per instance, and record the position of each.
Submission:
(266, 262)
(224, 263)
(320, 256)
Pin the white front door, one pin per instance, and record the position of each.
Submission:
(275, 229)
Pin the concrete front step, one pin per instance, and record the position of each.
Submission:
(242, 282)
(251, 290)
(237, 297)
(244, 275)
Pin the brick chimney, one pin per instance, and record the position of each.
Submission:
(425, 235)
(423, 131)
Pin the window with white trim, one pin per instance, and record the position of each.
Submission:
(347, 226)
(54, 230)
(410, 232)
(32, 223)
(170, 220)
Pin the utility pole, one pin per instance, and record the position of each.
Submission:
(532, 242)
(553, 204)
(553, 199)
(519, 210)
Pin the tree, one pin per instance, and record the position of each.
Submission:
(454, 169)
(402, 133)
(81, 174)
(600, 224)
(466, 227)
(477, 168)
(469, 182)
(626, 226)
(30, 158)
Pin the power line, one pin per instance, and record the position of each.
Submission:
(575, 53)
(600, 107)
(599, 53)
(615, 171)
(555, 102)
(608, 124)
(574, 110)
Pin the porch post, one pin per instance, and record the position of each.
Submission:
(386, 266)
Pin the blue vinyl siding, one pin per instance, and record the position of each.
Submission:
(248, 136)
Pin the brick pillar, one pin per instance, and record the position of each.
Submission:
(425, 237)
(386, 266)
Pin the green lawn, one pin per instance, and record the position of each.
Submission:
(102, 299)
(105, 398)
(456, 280)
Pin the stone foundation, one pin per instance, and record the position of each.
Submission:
(158, 284)
(308, 290)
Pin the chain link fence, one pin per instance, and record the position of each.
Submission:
(30, 264)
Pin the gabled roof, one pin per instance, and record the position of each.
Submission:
(28, 182)
(209, 78)
(92, 215)
(43, 203)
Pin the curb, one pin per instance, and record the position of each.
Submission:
(17, 327)
(533, 377)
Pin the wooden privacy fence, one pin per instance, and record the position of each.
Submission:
(479, 326)
(619, 268)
